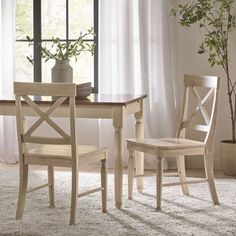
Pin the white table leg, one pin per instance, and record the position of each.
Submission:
(118, 154)
(139, 157)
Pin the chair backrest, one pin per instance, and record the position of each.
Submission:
(205, 91)
(62, 94)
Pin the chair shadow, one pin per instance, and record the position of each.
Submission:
(147, 223)
(125, 225)
(221, 205)
(197, 198)
(225, 219)
(184, 220)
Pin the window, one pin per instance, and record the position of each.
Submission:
(65, 19)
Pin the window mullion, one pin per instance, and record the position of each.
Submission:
(37, 40)
(96, 24)
(67, 20)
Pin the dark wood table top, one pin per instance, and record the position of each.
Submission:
(93, 99)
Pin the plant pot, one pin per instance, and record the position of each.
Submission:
(62, 72)
(228, 157)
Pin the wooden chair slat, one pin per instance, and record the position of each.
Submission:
(187, 122)
(44, 89)
(44, 140)
(201, 107)
(197, 127)
(45, 117)
(48, 112)
(197, 81)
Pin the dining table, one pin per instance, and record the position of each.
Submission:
(116, 107)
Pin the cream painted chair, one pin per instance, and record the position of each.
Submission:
(61, 150)
(181, 146)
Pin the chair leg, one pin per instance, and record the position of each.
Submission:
(104, 185)
(182, 174)
(208, 160)
(159, 182)
(51, 185)
(139, 170)
(22, 191)
(74, 194)
(130, 174)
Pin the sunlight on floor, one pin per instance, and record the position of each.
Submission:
(93, 168)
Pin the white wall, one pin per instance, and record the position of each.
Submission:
(188, 61)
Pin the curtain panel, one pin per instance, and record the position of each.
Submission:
(8, 140)
(136, 56)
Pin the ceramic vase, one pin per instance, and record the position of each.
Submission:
(62, 72)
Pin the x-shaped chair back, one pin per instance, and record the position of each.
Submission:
(192, 84)
(60, 93)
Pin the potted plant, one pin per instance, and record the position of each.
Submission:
(62, 52)
(215, 18)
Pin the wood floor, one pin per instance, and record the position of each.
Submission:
(190, 173)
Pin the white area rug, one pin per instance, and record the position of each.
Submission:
(180, 215)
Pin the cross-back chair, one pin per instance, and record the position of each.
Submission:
(60, 150)
(181, 146)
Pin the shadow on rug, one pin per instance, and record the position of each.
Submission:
(180, 215)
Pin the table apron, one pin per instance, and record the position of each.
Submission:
(82, 111)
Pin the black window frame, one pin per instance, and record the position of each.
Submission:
(37, 39)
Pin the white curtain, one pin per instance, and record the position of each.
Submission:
(136, 56)
(8, 144)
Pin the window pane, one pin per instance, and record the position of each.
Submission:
(80, 17)
(24, 69)
(53, 19)
(83, 69)
(46, 70)
(53, 25)
(24, 19)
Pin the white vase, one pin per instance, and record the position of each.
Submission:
(62, 72)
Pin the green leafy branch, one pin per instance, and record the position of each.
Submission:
(60, 50)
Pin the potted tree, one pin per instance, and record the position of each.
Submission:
(62, 52)
(216, 19)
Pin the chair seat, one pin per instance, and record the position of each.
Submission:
(57, 153)
(167, 146)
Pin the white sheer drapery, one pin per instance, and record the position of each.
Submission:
(135, 57)
(8, 144)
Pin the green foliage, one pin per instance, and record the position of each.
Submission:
(217, 21)
(215, 17)
(59, 50)
(23, 19)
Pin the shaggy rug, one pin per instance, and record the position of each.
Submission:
(180, 215)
